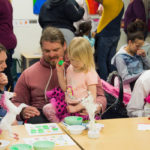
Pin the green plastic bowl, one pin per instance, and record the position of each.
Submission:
(21, 147)
(73, 120)
(43, 145)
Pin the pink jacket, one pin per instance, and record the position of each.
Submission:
(31, 85)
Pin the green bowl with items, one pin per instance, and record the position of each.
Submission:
(21, 147)
(73, 120)
(43, 145)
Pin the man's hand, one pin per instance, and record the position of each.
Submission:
(75, 108)
(3, 81)
(29, 112)
(141, 52)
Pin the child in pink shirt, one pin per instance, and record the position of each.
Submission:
(80, 78)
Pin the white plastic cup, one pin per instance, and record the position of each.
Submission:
(93, 134)
(147, 112)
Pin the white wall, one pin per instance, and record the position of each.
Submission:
(27, 35)
(122, 40)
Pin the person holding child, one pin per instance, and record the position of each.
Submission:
(35, 81)
(80, 78)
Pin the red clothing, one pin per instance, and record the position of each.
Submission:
(31, 85)
(7, 37)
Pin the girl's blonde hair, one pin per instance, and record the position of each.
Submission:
(80, 49)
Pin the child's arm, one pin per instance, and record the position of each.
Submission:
(79, 106)
(92, 89)
(61, 76)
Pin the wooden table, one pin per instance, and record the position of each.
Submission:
(117, 134)
(21, 131)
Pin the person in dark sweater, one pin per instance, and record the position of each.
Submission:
(61, 14)
(135, 11)
(7, 37)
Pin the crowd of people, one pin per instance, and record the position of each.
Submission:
(53, 91)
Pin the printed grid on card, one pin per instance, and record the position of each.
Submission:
(42, 129)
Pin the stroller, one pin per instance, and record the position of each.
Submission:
(116, 98)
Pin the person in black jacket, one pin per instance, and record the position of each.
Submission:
(61, 14)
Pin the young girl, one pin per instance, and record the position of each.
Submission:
(131, 61)
(85, 31)
(80, 78)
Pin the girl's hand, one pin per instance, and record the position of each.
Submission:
(72, 109)
(60, 68)
(141, 52)
(73, 102)
(84, 112)
(75, 108)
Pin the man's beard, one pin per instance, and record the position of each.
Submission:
(53, 63)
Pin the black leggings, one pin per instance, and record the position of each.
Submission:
(38, 119)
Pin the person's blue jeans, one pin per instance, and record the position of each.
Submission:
(105, 50)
